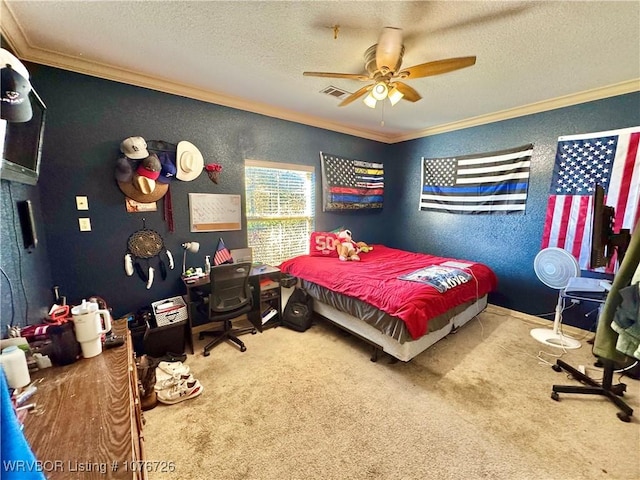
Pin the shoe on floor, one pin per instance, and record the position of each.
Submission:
(171, 381)
(169, 378)
(149, 402)
(184, 390)
(174, 368)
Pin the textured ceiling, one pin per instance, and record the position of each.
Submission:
(531, 56)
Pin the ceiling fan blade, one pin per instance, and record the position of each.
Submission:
(409, 92)
(351, 76)
(436, 68)
(389, 49)
(354, 96)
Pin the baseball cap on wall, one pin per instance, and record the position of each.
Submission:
(168, 171)
(15, 105)
(150, 167)
(134, 148)
(124, 170)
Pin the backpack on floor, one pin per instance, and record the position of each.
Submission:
(298, 312)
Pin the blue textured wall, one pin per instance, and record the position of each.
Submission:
(25, 287)
(508, 243)
(88, 118)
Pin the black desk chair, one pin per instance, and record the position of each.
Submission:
(604, 346)
(230, 297)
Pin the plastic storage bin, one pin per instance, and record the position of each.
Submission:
(170, 311)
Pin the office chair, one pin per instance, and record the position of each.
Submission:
(230, 298)
(604, 347)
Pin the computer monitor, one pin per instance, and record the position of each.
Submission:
(604, 240)
(241, 255)
(22, 144)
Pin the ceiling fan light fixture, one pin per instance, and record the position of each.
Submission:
(395, 95)
(380, 91)
(370, 101)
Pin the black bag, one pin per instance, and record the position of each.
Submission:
(298, 311)
(288, 281)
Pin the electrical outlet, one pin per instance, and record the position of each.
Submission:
(82, 203)
(85, 224)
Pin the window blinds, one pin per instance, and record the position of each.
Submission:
(280, 209)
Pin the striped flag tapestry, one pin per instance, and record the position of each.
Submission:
(607, 158)
(488, 183)
(350, 184)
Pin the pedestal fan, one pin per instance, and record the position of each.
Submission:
(554, 267)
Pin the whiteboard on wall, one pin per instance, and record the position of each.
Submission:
(210, 212)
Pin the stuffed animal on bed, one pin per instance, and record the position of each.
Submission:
(363, 247)
(346, 248)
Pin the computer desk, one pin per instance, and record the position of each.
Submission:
(585, 296)
(575, 296)
(264, 281)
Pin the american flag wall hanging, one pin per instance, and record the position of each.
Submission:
(350, 184)
(495, 182)
(610, 159)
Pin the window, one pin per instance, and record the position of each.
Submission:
(280, 209)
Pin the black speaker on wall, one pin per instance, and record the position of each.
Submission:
(28, 224)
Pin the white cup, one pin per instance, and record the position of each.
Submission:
(89, 328)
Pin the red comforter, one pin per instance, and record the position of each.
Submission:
(375, 280)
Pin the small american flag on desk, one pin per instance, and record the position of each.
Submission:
(350, 184)
(610, 159)
(223, 255)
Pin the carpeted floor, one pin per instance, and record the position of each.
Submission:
(476, 405)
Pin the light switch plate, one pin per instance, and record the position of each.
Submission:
(85, 224)
(82, 203)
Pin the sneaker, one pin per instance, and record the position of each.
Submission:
(168, 382)
(174, 368)
(162, 375)
(184, 390)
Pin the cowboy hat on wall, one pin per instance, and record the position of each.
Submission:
(189, 161)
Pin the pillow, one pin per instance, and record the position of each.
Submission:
(323, 244)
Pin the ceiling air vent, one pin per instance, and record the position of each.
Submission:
(334, 92)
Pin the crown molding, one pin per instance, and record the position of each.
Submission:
(532, 108)
(19, 44)
(14, 36)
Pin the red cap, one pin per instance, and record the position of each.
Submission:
(145, 172)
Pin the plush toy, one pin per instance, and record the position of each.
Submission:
(363, 247)
(346, 248)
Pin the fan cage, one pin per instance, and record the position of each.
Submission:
(555, 266)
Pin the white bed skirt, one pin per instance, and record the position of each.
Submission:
(402, 351)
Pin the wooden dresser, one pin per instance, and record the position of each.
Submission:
(88, 420)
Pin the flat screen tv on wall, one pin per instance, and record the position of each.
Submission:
(22, 145)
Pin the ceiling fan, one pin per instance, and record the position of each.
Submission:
(382, 63)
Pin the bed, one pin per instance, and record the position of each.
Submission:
(400, 302)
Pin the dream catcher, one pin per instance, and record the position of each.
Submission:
(143, 245)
